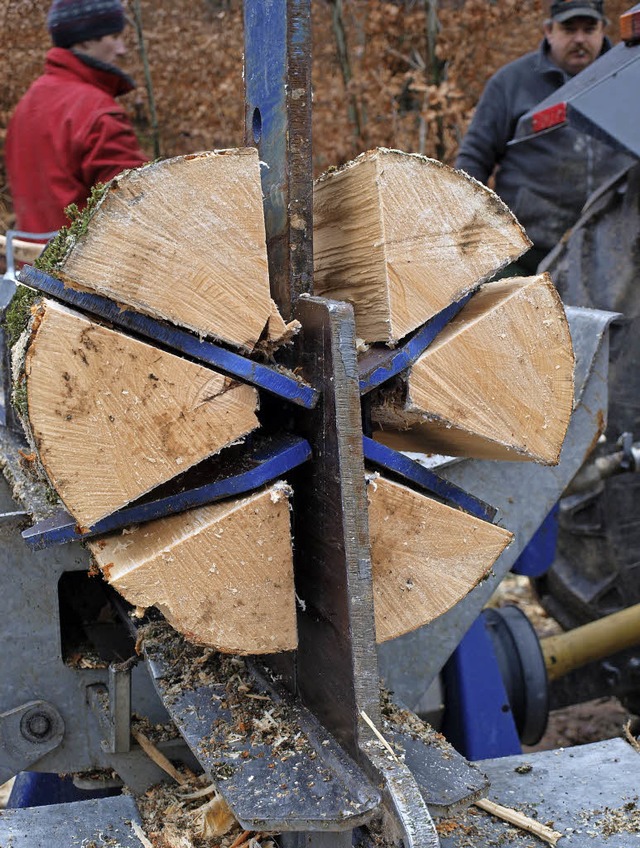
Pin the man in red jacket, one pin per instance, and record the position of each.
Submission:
(68, 133)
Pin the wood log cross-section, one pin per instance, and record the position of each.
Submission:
(497, 383)
(222, 574)
(425, 556)
(401, 237)
(182, 240)
(113, 417)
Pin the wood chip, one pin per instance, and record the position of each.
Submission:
(242, 838)
(214, 818)
(379, 735)
(519, 819)
(631, 739)
(139, 832)
(158, 757)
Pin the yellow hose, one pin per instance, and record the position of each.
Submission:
(591, 642)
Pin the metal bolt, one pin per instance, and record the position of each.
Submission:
(36, 726)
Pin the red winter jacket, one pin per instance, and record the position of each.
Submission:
(66, 134)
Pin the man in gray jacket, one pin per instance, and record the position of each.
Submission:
(545, 181)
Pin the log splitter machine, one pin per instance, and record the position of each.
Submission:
(365, 778)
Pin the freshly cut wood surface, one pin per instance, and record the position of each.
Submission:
(426, 556)
(222, 574)
(184, 240)
(401, 236)
(497, 383)
(113, 417)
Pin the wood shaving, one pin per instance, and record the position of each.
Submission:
(158, 757)
(210, 789)
(214, 818)
(631, 739)
(139, 832)
(520, 820)
(379, 735)
(176, 817)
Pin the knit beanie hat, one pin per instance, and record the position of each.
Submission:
(73, 21)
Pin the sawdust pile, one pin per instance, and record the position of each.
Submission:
(192, 815)
(404, 721)
(258, 717)
(610, 821)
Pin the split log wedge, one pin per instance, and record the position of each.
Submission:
(188, 238)
(401, 237)
(112, 417)
(497, 383)
(425, 556)
(222, 575)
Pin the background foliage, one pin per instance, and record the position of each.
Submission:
(404, 74)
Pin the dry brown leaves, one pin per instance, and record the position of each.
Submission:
(196, 68)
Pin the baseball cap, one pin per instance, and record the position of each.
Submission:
(562, 10)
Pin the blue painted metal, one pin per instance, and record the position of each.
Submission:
(379, 364)
(277, 36)
(272, 380)
(40, 789)
(270, 462)
(478, 720)
(537, 557)
(407, 468)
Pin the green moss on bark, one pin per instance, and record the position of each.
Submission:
(19, 313)
(59, 247)
(19, 399)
